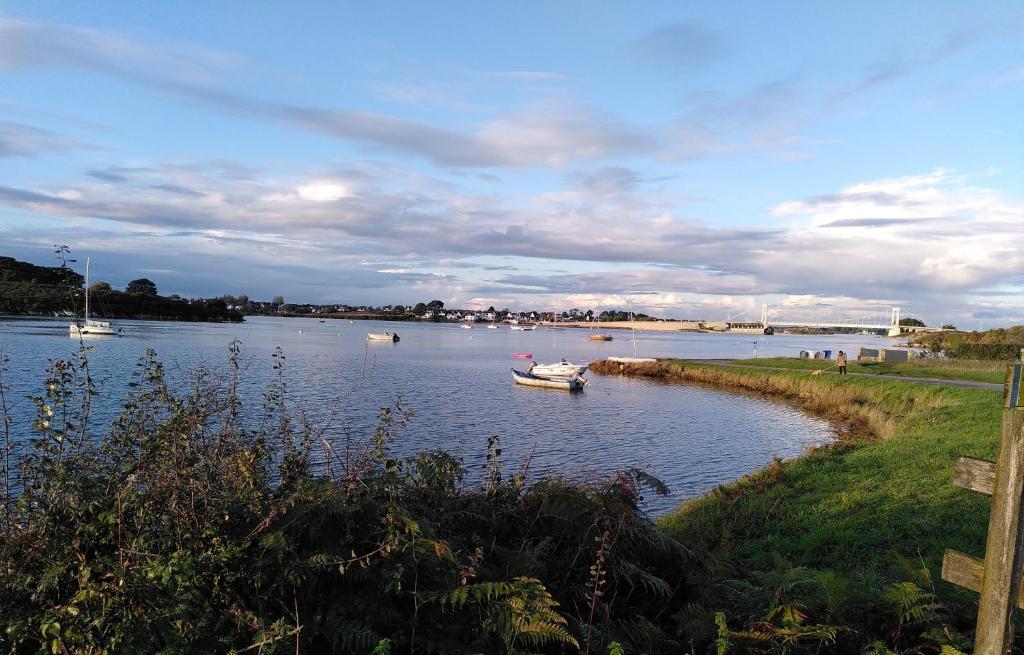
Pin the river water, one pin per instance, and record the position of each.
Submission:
(459, 385)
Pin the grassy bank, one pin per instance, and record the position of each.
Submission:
(941, 369)
(852, 535)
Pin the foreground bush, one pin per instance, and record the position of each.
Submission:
(198, 524)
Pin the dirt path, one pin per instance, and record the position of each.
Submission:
(970, 384)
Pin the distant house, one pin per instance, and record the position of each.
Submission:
(491, 316)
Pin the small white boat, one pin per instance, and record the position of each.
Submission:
(562, 369)
(382, 336)
(88, 326)
(466, 327)
(524, 328)
(565, 384)
(492, 326)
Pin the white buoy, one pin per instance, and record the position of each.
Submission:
(300, 331)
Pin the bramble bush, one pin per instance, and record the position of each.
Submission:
(196, 523)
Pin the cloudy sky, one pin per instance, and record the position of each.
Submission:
(699, 158)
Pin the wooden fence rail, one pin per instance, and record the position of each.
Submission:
(998, 576)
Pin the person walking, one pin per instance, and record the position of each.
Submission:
(841, 362)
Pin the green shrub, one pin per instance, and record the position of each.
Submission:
(197, 524)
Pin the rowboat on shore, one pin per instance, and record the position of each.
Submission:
(564, 384)
(382, 336)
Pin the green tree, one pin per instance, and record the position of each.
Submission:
(435, 305)
(100, 288)
(948, 326)
(278, 300)
(419, 308)
(399, 309)
(142, 287)
(912, 322)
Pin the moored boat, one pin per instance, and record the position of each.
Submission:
(565, 384)
(382, 336)
(600, 337)
(562, 369)
(90, 327)
(523, 355)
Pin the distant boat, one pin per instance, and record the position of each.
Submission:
(466, 327)
(89, 326)
(524, 328)
(382, 336)
(600, 337)
(562, 369)
(565, 384)
(492, 326)
(523, 355)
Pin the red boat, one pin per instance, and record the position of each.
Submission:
(523, 355)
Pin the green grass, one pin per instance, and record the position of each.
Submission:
(862, 509)
(973, 370)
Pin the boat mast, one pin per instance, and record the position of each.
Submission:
(632, 329)
(86, 289)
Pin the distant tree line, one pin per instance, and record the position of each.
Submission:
(998, 344)
(39, 290)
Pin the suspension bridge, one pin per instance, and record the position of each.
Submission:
(789, 316)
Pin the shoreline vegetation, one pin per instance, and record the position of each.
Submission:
(850, 531)
(30, 290)
(197, 523)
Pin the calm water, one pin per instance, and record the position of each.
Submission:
(458, 383)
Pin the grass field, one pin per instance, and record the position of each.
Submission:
(865, 514)
(942, 369)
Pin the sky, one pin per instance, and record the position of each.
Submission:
(697, 159)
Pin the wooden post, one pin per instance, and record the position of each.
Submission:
(1001, 570)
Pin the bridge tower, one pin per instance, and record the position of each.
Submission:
(894, 326)
(764, 315)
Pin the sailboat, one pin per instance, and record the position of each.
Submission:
(89, 326)
(599, 336)
(634, 359)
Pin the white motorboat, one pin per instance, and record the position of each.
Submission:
(466, 327)
(492, 326)
(90, 327)
(382, 336)
(565, 384)
(562, 369)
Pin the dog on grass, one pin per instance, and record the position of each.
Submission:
(817, 372)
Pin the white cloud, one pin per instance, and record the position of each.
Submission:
(323, 191)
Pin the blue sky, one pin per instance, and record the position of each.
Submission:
(700, 160)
